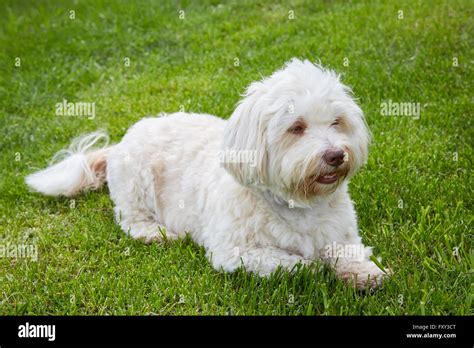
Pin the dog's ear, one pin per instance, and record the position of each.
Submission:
(365, 142)
(362, 134)
(359, 129)
(245, 136)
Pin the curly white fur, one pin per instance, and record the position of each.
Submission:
(166, 175)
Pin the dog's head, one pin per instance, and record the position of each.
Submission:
(307, 133)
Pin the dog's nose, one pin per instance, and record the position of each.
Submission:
(334, 157)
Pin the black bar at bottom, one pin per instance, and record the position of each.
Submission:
(257, 330)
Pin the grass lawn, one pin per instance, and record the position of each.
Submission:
(132, 59)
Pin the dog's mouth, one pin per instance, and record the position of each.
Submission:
(327, 178)
(322, 182)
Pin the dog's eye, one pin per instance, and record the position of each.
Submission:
(335, 123)
(297, 128)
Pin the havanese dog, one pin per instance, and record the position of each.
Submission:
(267, 188)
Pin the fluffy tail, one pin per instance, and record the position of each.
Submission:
(80, 167)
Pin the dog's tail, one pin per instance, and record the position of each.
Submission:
(80, 167)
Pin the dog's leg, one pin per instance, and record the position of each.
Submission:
(263, 261)
(144, 228)
(148, 231)
(362, 274)
(359, 271)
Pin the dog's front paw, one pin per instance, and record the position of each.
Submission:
(365, 275)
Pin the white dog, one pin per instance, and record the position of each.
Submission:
(267, 188)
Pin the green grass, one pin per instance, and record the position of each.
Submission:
(414, 197)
